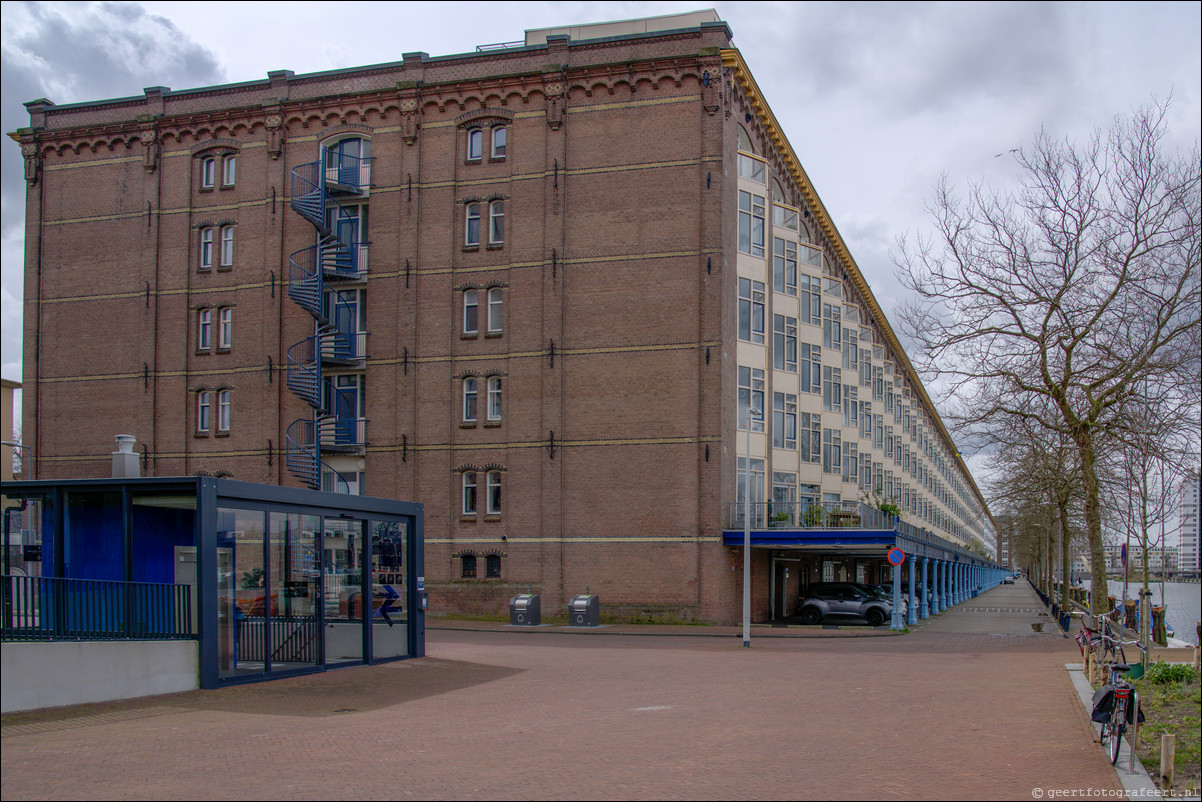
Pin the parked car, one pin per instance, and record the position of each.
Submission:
(844, 600)
(1008, 579)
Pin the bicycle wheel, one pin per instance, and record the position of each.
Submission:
(1117, 725)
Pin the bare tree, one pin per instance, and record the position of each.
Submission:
(1055, 302)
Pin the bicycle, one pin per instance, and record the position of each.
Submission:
(1100, 641)
(1123, 700)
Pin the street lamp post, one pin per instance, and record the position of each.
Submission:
(752, 414)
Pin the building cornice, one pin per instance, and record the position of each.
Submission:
(733, 60)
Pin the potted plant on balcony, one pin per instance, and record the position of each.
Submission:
(814, 516)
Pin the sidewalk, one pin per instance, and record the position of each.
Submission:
(969, 706)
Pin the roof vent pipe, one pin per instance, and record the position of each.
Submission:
(125, 462)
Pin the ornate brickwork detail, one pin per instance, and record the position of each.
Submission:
(150, 149)
(556, 103)
(275, 135)
(33, 162)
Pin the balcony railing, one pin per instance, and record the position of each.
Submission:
(806, 515)
(51, 609)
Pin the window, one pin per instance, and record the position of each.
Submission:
(751, 310)
(475, 143)
(494, 310)
(811, 437)
(784, 420)
(752, 168)
(469, 492)
(832, 389)
(471, 303)
(492, 566)
(494, 398)
(851, 463)
(471, 229)
(494, 493)
(751, 223)
(498, 142)
(783, 216)
(469, 400)
(811, 301)
(227, 170)
(223, 411)
(227, 246)
(468, 562)
(204, 329)
(832, 326)
(202, 411)
(206, 248)
(225, 328)
(811, 368)
(208, 172)
(751, 397)
(832, 451)
(784, 266)
(784, 343)
(496, 222)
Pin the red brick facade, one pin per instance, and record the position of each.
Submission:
(617, 442)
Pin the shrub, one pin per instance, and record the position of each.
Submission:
(1168, 673)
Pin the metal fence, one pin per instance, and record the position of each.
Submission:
(807, 515)
(49, 609)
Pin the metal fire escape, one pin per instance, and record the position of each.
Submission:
(313, 273)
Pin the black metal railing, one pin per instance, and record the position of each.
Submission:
(49, 608)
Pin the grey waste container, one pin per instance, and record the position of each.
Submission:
(525, 610)
(585, 610)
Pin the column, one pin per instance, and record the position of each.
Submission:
(912, 602)
(925, 611)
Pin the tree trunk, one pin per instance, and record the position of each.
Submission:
(1098, 601)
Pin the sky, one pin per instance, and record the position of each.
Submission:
(877, 99)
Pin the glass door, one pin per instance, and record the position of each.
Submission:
(342, 591)
(295, 572)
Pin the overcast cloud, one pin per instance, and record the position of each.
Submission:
(877, 99)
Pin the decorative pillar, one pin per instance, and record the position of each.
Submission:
(912, 602)
(924, 612)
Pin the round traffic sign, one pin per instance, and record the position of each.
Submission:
(896, 556)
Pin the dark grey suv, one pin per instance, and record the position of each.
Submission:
(843, 600)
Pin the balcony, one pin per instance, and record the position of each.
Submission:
(805, 515)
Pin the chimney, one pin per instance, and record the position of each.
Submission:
(125, 462)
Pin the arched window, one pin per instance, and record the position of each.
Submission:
(206, 248)
(498, 142)
(492, 566)
(468, 562)
(494, 310)
(227, 246)
(202, 412)
(471, 228)
(208, 172)
(494, 493)
(204, 329)
(469, 492)
(469, 400)
(494, 398)
(496, 222)
(475, 144)
(471, 308)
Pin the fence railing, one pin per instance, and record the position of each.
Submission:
(807, 515)
(49, 609)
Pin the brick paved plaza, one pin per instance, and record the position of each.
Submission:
(975, 704)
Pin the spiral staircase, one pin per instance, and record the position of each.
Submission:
(314, 276)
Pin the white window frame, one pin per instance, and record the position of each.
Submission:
(752, 223)
(202, 412)
(471, 397)
(204, 329)
(208, 172)
(492, 496)
(496, 222)
(499, 141)
(469, 499)
(752, 308)
(225, 328)
(223, 411)
(228, 170)
(227, 246)
(471, 312)
(475, 144)
(494, 398)
(495, 308)
(471, 225)
(206, 248)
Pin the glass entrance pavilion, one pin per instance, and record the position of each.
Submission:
(271, 581)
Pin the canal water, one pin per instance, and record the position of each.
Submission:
(1184, 600)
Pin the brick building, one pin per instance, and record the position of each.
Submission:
(535, 287)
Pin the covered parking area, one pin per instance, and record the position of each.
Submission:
(934, 574)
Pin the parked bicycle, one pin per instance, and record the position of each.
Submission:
(1116, 705)
(1100, 640)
